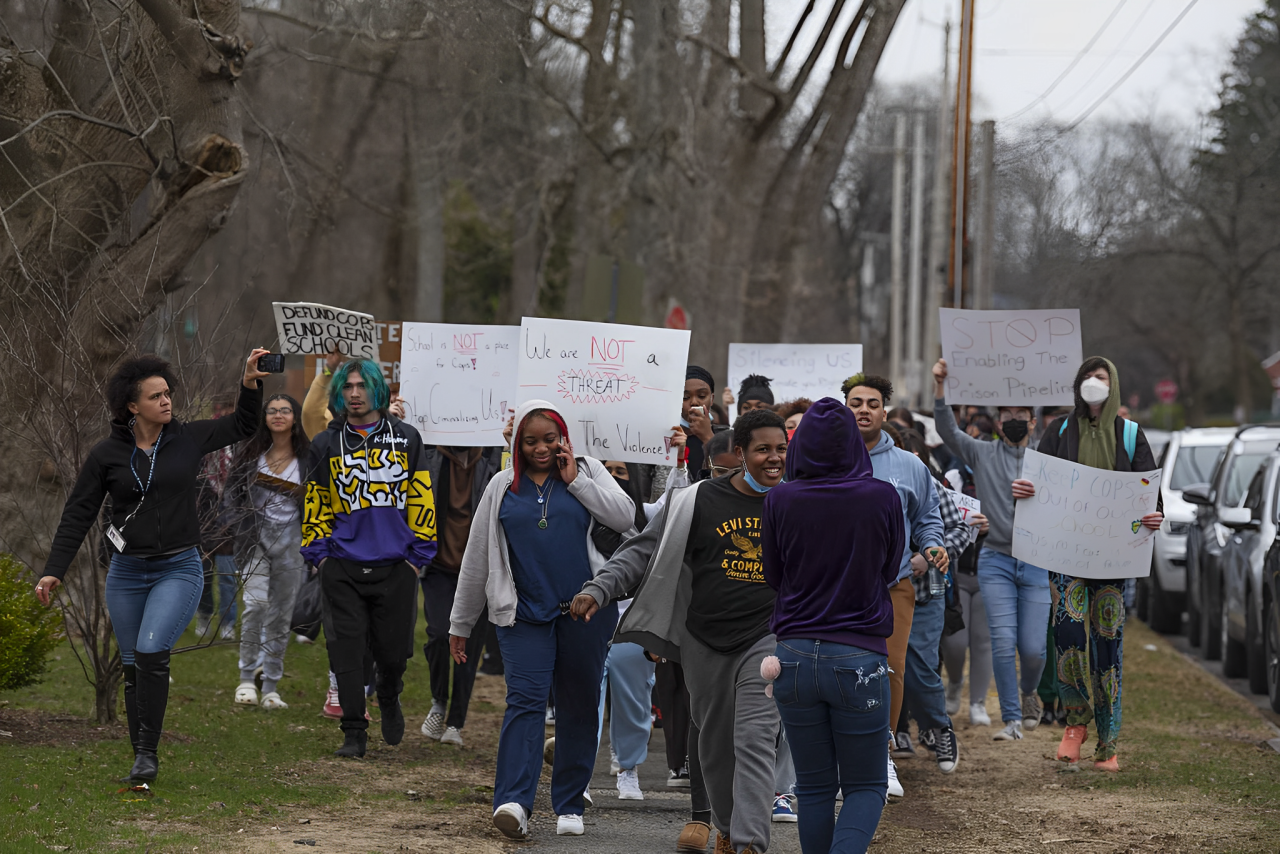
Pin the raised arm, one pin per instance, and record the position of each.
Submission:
(961, 443)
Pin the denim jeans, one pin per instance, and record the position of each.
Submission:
(568, 654)
(151, 602)
(925, 698)
(834, 704)
(629, 676)
(224, 568)
(1017, 598)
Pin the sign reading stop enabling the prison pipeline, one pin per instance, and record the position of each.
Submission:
(1085, 522)
(311, 329)
(795, 370)
(618, 387)
(458, 381)
(1011, 358)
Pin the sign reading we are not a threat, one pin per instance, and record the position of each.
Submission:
(1011, 358)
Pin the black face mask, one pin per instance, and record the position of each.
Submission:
(1015, 430)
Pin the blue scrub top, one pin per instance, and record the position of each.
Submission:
(550, 564)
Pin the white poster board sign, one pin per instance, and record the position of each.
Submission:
(619, 387)
(814, 371)
(311, 329)
(1084, 521)
(1011, 358)
(458, 380)
(968, 506)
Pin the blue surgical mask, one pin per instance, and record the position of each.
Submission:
(753, 483)
(683, 423)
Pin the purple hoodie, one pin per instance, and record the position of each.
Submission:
(832, 536)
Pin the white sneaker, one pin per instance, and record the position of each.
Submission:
(202, 626)
(1012, 732)
(273, 701)
(569, 825)
(614, 768)
(303, 639)
(246, 694)
(978, 715)
(512, 821)
(629, 785)
(1032, 709)
(895, 787)
(433, 726)
(227, 632)
(451, 736)
(953, 697)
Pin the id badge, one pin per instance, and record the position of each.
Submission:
(116, 538)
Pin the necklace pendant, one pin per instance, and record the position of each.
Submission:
(540, 499)
(542, 523)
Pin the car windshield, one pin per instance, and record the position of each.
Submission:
(1242, 471)
(1194, 464)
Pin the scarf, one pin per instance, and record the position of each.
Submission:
(1098, 436)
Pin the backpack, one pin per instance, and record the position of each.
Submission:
(1130, 435)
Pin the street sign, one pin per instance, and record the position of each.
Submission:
(1167, 391)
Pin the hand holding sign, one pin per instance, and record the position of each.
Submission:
(1009, 358)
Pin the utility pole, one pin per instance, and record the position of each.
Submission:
(895, 248)
(915, 284)
(941, 208)
(984, 257)
(962, 129)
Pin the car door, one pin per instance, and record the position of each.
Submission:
(1237, 558)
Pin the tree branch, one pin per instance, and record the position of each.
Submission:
(791, 42)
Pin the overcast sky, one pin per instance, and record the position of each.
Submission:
(1022, 46)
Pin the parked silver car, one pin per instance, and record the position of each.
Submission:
(1189, 460)
(1246, 589)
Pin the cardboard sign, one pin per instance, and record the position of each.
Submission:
(311, 329)
(618, 387)
(794, 370)
(968, 506)
(458, 380)
(1085, 522)
(1011, 358)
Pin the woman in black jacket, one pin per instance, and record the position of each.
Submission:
(148, 465)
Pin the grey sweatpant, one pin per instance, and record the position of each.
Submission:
(974, 638)
(737, 737)
(272, 577)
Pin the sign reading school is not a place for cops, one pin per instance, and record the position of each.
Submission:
(312, 329)
(1011, 358)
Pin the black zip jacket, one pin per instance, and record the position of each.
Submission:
(167, 522)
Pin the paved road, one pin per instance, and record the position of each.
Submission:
(628, 827)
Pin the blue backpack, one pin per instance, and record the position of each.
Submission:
(1130, 435)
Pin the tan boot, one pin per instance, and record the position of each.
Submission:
(694, 838)
(723, 845)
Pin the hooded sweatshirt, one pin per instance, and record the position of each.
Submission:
(832, 536)
(995, 466)
(920, 513)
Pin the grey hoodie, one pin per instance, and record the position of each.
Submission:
(995, 466)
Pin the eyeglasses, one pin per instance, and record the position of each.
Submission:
(279, 412)
(721, 471)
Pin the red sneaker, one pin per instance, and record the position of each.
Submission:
(331, 707)
(1112, 764)
(1072, 739)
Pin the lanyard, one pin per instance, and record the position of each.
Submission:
(151, 473)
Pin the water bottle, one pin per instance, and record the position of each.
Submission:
(937, 584)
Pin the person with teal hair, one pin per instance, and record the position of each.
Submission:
(376, 389)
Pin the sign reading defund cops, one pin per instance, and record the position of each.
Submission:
(311, 329)
(795, 370)
(1083, 521)
(1011, 358)
(619, 387)
(458, 380)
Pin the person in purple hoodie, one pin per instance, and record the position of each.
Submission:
(832, 540)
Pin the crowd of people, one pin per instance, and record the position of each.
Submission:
(785, 599)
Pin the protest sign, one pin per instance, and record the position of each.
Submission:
(1011, 358)
(311, 329)
(618, 387)
(795, 370)
(1085, 522)
(968, 506)
(386, 337)
(458, 380)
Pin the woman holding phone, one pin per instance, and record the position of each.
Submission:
(529, 552)
(148, 465)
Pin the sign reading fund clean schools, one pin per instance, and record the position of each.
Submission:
(458, 380)
(1011, 358)
(618, 387)
(795, 370)
(311, 329)
(1085, 522)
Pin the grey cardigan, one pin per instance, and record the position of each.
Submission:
(485, 576)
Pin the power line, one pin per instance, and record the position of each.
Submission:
(1071, 66)
(1102, 67)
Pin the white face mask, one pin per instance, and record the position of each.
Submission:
(1094, 391)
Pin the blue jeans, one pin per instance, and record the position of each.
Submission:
(224, 568)
(630, 677)
(151, 602)
(1017, 598)
(922, 685)
(834, 704)
(569, 655)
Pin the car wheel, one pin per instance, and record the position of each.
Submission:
(1271, 653)
(1233, 652)
(1210, 630)
(1256, 654)
(1162, 614)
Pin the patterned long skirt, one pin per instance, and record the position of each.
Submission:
(1088, 636)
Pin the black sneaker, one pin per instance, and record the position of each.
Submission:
(353, 744)
(392, 722)
(947, 749)
(929, 739)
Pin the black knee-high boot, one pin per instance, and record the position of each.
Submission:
(152, 700)
(131, 704)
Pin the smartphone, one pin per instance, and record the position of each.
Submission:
(560, 449)
(697, 410)
(272, 363)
